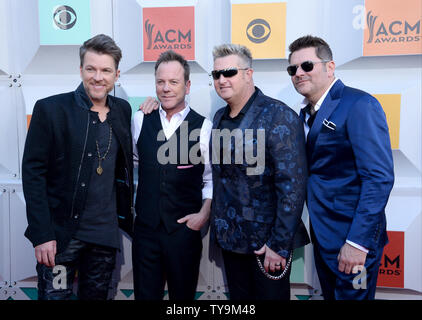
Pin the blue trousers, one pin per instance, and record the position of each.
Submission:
(338, 285)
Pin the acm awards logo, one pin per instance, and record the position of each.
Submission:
(391, 271)
(395, 31)
(64, 17)
(390, 267)
(258, 30)
(167, 39)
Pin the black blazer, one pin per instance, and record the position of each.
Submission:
(57, 163)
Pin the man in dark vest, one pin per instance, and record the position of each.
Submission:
(175, 187)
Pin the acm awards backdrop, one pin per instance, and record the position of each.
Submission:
(377, 48)
(170, 28)
(393, 29)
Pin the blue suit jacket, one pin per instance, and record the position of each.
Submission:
(249, 211)
(350, 171)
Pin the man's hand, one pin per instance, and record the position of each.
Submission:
(46, 252)
(196, 221)
(272, 261)
(149, 105)
(350, 257)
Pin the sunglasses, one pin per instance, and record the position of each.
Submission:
(306, 66)
(227, 73)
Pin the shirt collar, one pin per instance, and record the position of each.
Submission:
(321, 100)
(181, 114)
(246, 106)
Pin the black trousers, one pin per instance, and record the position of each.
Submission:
(247, 282)
(94, 263)
(158, 256)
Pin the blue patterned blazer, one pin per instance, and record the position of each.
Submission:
(249, 211)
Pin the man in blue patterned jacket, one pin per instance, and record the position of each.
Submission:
(259, 180)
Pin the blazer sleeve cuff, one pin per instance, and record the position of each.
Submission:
(357, 246)
(281, 252)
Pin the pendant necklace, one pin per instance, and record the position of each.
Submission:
(101, 158)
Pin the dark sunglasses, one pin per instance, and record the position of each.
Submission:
(227, 73)
(306, 66)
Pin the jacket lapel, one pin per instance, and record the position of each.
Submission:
(115, 119)
(216, 122)
(302, 114)
(246, 122)
(252, 113)
(328, 106)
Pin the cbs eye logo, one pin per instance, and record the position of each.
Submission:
(64, 17)
(258, 30)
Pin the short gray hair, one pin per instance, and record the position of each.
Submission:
(228, 49)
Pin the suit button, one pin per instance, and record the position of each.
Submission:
(83, 184)
(76, 216)
(94, 122)
(89, 154)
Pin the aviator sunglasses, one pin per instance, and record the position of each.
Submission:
(306, 66)
(227, 73)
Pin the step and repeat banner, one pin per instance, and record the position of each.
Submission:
(377, 47)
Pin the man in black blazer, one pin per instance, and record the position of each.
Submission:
(77, 179)
(259, 180)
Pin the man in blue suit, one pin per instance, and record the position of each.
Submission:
(350, 169)
(259, 180)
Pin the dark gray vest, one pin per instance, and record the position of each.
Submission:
(167, 192)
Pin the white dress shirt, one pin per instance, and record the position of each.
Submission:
(169, 128)
(303, 104)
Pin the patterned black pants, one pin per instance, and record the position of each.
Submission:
(94, 264)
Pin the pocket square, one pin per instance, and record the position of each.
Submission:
(185, 167)
(329, 124)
